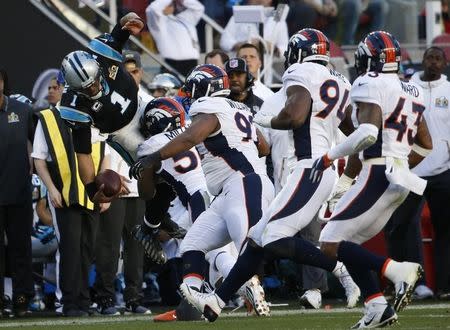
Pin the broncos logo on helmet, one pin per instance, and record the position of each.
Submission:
(207, 80)
(379, 52)
(161, 115)
(307, 45)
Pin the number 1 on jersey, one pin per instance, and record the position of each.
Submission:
(116, 98)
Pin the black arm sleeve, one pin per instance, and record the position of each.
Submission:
(82, 140)
(120, 37)
(156, 209)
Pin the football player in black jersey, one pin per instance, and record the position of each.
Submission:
(100, 92)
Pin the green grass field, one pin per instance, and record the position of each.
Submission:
(423, 316)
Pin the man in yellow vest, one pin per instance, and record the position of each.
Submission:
(75, 217)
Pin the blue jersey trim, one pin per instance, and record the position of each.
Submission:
(104, 50)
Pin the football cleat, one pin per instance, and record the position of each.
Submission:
(422, 292)
(311, 299)
(376, 315)
(169, 316)
(254, 293)
(150, 243)
(352, 290)
(404, 275)
(207, 303)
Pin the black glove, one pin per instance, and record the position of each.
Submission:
(148, 237)
(172, 228)
(152, 160)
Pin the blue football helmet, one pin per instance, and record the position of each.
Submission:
(307, 45)
(207, 80)
(379, 52)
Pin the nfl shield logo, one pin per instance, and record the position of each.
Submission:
(233, 63)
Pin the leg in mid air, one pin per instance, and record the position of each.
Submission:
(359, 215)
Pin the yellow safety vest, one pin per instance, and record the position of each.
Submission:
(63, 167)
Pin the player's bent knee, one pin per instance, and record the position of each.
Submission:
(329, 249)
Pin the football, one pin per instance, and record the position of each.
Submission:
(111, 180)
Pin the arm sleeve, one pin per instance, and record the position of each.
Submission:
(228, 39)
(120, 37)
(156, 208)
(193, 13)
(82, 140)
(40, 147)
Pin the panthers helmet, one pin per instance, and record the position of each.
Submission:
(81, 70)
(379, 52)
(207, 80)
(307, 45)
(166, 81)
(161, 115)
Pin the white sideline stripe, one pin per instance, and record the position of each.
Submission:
(128, 318)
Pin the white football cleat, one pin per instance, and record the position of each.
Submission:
(376, 315)
(254, 293)
(209, 304)
(352, 290)
(404, 275)
(311, 299)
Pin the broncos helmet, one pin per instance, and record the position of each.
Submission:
(207, 80)
(307, 45)
(81, 70)
(161, 115)
(379, 52)
(167, 82)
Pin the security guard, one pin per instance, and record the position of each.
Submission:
(75, 217)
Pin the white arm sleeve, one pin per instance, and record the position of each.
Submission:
(361, 139)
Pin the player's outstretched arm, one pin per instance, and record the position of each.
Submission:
(422, 146)
(202, 126)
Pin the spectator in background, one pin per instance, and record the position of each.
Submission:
(133, 64)
(55, 89)
(403, 230)
(217, 57)
(250, 53)
(172, 25)
(320, 14)
(241, 83)
(116, 225)
(351, 11)
(165, 84)
(16, 212)
(275, 33)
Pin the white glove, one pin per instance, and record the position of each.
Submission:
(263, 120)
(344, 183)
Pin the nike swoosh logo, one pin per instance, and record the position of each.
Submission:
(289, 71)
(199, 101)
(370, 321)
(361, 84)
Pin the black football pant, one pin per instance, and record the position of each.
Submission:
(17, 221)
(116, 224)
(76, 230)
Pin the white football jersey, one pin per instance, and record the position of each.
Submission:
(401, 104)
(232, 149)
(330, 97)
(183, 172)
